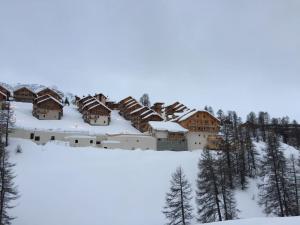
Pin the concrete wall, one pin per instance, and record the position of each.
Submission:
(121, 141)
(173, 145)
(197, 140)
(130, 142)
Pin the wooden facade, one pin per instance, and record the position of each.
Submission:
(174, 108)
(3, 97)
(47, 108)
(113, 105)
(101, 97)
(51, 92)
(4, 92)
(131, 108)
(158, 107)
(97, 114)
(24, 94)
(144, 122)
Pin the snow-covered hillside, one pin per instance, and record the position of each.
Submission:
(75, 186)
(262, 221)
(71, 121)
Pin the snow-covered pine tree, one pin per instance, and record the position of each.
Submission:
(252, 154)
(8, 191)
(274, 192)
(207, 193)
(178, 209)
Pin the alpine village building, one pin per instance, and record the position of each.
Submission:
(24, 94)
(47, 107)
(51, 92)
(4, 93)
(94, 111)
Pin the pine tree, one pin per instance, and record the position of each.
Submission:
(145, 100)
(275, 194)
(252, 155)
(208, 194)
(178, 209)
(8, 191)
(214, 196)
(6, 122)
(295, 186)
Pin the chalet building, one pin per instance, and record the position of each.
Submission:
(3, 97)
(81, 102)
(97, 114)
(201, 125)
(24, 94)
(143, 121)
(173, 109)
(4, 92)
(126, 105)
(113, 105)
(158, 107)
(51, 92)
(47, 108)
(130, 109)
(101, 97)
(136, 113)
(169, 136)
(136, 120)
(86, 102)
(124, 102)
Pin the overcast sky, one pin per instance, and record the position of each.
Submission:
(231, 54)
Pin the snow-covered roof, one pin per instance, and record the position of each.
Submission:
(193, 112)
(50, 98)
(91, 102)
(133, 105)
(101, 104)
(129, 100)
(167, 126)
(130, 103)
(3, 94)
(139, 109)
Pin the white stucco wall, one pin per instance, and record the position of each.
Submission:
(197, 140)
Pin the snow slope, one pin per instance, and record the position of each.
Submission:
(262, 221)
(71, 121)
(75, 186)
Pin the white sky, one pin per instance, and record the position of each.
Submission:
(231, 54)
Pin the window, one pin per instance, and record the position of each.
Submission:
(31, 136)
(137, 140)
(37, 138)
(91, 141)
(98, 142)
(199, 135)
(52, 138)
(105, 147)
(76, 141)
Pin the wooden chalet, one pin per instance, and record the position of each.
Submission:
(126, 105)
(47, 107)
(136, 113)
(130, 109)
(113, 105)
(124, 102)
(24, 94)
(51, 92)
(86, 102)
(81, 102)
(199, 121)
(144, 122)
(3, 97)
(203, 128)
(101, 97)
(96, 113)
(158, 107)
(4, 92)
(174, 108)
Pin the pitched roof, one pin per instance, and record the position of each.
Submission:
(167, 126)
(50, 98)
(3, 94)
(99, 104)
